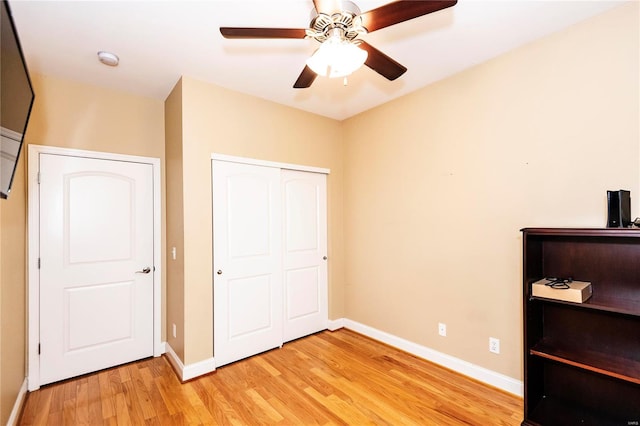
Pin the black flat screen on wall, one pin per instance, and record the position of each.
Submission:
(16, 100)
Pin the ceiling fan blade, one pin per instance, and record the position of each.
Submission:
(234, 32)
(400, 11)
(327, 6)
(306, 78)
(381, 63)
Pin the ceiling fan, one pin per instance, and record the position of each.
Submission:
(336, 25)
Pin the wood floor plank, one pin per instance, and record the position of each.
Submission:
(380, 385)
(133, 402)
(107, 401)
(362, 396)
(38, 416)
(284, 391)
(271, 413)
(82, 402)
(290, 416)
(347, 412)
(57, 401)
(297, 371)
(55, 419)
(69, 412)
(197, 405)
(173, 390)
(155, 396)
(220, 409)
(268, 367)
(122, 410)
(241, 403)
(115, 382)
(329, 378)
(110, 421)
(141, 392)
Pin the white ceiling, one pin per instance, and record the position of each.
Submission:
(159, 41)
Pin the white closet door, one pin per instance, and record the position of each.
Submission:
(247, 259)
(304, 198)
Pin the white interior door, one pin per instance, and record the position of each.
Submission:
(96, 264)
(304, 253)
(247, 260)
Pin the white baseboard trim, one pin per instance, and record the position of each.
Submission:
(333, 325)
(17, 407)
(482, 374)
(191, 371)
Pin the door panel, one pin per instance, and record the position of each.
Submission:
(88, 210)
(249, 200)
(301, 283)
(240, 324)
(98, 303)
(247, 260)
(301, 203)
(96, 226)
(305, 250)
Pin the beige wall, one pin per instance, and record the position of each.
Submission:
(439, 182)
(216, 120)
(175, 219)
(12, 292)
(74, 115)
(8, 388)
(4, 412)
(71, 115)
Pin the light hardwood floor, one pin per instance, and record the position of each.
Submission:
(328, 378)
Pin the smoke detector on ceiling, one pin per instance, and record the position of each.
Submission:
(108, 58)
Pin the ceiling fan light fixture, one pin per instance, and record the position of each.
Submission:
(337, 57)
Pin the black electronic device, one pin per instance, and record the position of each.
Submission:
(618, 209)
(16, 99)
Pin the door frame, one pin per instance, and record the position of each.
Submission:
(274, 164)
(33, 238)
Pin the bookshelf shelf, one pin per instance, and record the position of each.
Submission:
(582, 360)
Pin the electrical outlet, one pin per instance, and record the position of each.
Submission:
(494, 345)
(442, 329)
(174, 331)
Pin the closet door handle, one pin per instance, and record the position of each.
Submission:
(144, 271)
(219, 272)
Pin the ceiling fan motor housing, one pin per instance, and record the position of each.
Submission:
(347, 21)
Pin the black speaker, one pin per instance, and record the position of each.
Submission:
(618, 209)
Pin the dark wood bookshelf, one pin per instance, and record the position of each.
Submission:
(582, 360)
(599, 362)
(556, 411)
(603, 303)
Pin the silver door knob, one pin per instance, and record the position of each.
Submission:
(144, 271)
(219, 272)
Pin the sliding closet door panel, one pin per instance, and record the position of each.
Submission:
(247, 259)
(304, 253)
